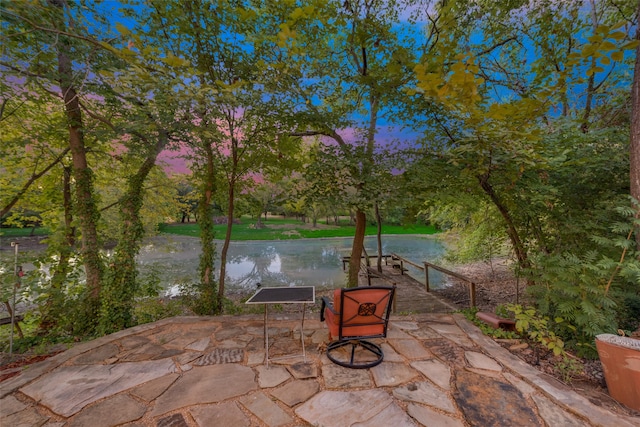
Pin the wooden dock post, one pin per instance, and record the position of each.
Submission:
(426, 276)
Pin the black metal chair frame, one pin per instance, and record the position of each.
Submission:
(360, 340)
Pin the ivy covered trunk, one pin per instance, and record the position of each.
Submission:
(208, 289)
(53, 308)
(225, 246)
(86, 210)
(121, 284)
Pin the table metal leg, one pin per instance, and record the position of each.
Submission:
(304, 354)
(266, 334)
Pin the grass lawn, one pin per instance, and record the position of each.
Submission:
(274, 229)
(24, 232)
(288, 229)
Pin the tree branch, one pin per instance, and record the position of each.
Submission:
(34, 177)
(497, 45)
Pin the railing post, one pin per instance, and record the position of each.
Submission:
(472, 294)
(395, 297)
(426, 276)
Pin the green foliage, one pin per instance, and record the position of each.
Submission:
(33, 341)
(476, 83)
(573, 287)
(537, 328)
(152, 309)
(498, 333)
(204, 297)
(568, 368)
(593, 292)
(201, 300)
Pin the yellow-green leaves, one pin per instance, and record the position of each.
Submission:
(603, 47)
(175, 61)
(286, 35)
(302, 12)
(455, 86)
(124, 31)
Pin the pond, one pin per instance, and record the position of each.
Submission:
(318, 262)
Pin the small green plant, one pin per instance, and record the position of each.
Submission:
(534, 327)
(470, 314)
(568, 368)
(149, 310)
(201, 300)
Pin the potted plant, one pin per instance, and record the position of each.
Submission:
(620, 357)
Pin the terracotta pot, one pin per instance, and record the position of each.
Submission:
(620, 357)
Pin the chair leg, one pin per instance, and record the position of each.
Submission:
(372, 354)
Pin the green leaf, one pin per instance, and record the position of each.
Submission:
(618, 35)
(607, 46)
(630, 45)
(124, 31)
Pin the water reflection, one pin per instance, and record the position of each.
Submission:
(315, 262)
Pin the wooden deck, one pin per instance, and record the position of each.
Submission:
(411, 295)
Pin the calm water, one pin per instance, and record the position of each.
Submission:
(315, 262)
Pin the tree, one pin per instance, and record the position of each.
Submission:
(49, 51)
(495, 111)
(263, 196)
(114, 81)
(369, 64)
(144, 85)
(235, 109)
(539, 143)
(187, 198)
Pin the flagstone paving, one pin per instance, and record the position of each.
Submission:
(439, 370)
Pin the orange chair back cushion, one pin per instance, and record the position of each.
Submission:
(363, 313)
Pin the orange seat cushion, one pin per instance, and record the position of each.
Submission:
(357, 325)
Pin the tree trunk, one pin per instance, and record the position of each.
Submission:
(591, 81)
(227, 240)
(119, 292)
(356, 249)
(634, 147)
(584, 127)
(379, 237)
(53, 307)
(207, 280)
(88, 214)
(512, 232)
(361, 218)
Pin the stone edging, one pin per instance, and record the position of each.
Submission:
(570, 400)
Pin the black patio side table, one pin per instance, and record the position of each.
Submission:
(283, 295)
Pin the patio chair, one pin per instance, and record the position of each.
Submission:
(355, 316)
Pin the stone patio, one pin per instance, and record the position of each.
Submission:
(439, 370)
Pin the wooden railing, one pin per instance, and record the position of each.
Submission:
(373, 272)
(399, 261)
(346, 259)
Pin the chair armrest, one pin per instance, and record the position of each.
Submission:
(326, 303)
